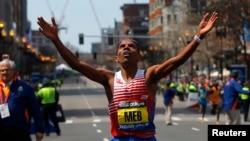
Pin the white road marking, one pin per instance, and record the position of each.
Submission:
(105, 139)
(176, 118)
(68, 121)
(99, 131)
(195, 129)
(97, 120)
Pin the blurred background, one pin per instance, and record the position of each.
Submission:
(162, 28)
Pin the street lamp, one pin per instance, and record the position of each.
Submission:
(221, 32)
(1, 26)
(1, 33)
(7, 38)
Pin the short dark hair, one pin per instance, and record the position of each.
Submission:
(234, 73)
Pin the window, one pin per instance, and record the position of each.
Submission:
(168, 19)
(142, 13)
(175, 18)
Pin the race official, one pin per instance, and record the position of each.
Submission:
(49, 97)
(18, 104)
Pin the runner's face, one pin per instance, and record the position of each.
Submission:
(127, 51)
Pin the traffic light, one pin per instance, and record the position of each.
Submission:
(81, 39)
(94, 55)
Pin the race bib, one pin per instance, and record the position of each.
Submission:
(132, 115)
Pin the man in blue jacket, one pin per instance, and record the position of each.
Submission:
(231, 92)
(18, 104)
(168, 96)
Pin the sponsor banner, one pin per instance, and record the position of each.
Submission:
(193, 100)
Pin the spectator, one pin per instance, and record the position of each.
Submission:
(202, 101)
(181, 91)
(49, 97)
(231, 91)
(215, 100)
(18, 105)
(168, 95)
(5, 56)
(245, 101)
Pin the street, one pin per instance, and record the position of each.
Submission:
(85, 108)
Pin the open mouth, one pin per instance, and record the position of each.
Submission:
(126, 53)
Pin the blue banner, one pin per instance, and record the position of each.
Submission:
(246, 30)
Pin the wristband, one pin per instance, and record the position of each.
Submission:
(197, 39)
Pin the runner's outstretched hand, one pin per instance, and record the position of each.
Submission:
(49, 30)
(207, 23)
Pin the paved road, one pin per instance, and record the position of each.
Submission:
(85, 108)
